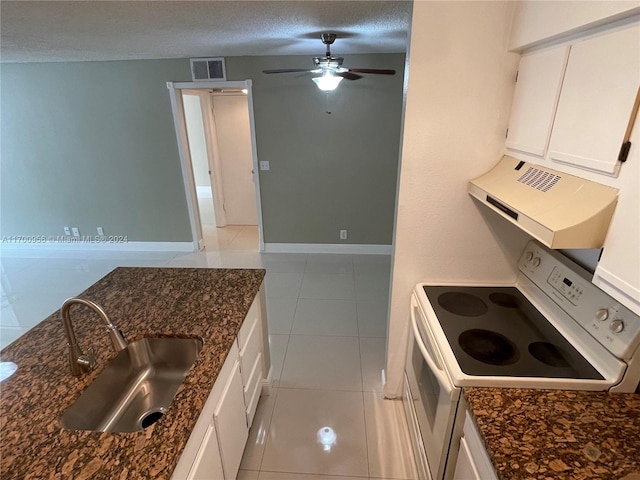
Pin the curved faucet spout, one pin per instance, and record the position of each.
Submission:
(79, 362)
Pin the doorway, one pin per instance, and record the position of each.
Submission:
(216, 135)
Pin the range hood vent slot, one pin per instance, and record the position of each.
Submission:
(539, 179)
(556, 208)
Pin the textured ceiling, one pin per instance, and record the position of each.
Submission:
(57, 31)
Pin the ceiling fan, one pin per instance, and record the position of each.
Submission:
(330, 68)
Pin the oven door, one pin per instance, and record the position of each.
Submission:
(432, 395)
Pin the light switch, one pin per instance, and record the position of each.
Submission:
(264, 165)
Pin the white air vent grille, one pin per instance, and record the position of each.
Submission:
(208, 69)
(539, 179)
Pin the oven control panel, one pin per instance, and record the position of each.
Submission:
(569, 286)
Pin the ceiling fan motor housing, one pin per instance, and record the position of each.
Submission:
(330, 66)
(328, 62)
(328, 38)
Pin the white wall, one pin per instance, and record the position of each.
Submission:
(537, 21)
(459, 94)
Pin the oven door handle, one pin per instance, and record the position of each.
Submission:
(435, 369)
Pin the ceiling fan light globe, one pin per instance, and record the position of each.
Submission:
(327, 83)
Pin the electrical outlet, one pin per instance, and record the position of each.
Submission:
(76, 232)
(343, 234)
(67, 231)
(264, 165)
(100, 231)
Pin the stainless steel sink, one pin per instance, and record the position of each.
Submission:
(136, 388)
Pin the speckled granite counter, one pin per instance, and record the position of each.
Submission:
(551, 434)
(206, 303)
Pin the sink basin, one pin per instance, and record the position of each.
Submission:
(136, 388)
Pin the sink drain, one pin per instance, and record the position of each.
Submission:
(150, 418)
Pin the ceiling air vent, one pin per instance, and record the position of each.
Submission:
(208, 69)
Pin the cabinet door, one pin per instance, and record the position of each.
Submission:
(231, 424)
(208, 464)
(465, 468)
(598, 93)
(473, 461)
(618, 271)
(535, 99)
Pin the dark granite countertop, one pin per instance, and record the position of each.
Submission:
(558, 434)
(206, 303)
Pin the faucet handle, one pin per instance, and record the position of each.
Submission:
(87, 361)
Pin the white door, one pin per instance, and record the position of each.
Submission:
(231, 114)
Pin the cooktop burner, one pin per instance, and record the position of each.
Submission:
(496, 331)
(488, 347)
(461, 303)
(548, 353)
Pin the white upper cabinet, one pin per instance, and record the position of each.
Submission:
(598, 93)
(535, 99)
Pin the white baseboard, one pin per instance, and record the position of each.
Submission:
(327, 248)
(18, 249)
(266, 382)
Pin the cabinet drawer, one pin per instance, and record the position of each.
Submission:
(252, 389)
(247, 326)
(249, 352)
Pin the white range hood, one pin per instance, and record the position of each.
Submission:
(558, 209)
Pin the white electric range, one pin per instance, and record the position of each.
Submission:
(552, 329)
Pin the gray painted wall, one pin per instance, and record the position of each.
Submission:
(328, 171)
(92, 144)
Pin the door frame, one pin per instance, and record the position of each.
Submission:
(177, 107)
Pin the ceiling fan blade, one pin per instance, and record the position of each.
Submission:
(348, 75)
(287, 70)
(373, 70)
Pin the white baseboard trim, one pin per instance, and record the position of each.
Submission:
(327, 248)
(17, 249)
(266, 382)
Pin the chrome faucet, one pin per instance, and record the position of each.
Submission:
(79, 361)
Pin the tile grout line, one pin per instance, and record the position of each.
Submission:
(364, 413)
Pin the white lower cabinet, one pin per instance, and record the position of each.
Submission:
(231, 425)
(216, 444)
(208, 462)
(473, 460)
(214, 449)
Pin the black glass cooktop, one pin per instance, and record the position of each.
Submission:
(496, 331)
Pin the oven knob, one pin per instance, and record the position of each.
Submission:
(536, 262)
(602, 314)
(528, 256)
(616, 326)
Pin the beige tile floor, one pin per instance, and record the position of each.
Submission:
(327, 325)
